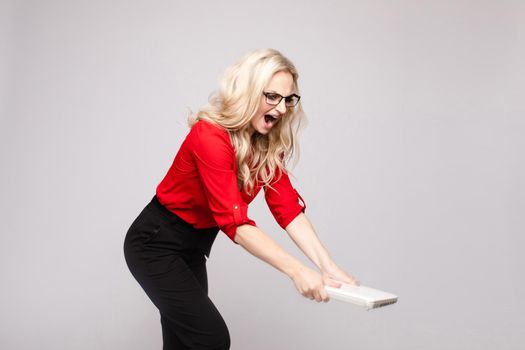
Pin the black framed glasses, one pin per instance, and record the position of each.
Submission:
(273, 98)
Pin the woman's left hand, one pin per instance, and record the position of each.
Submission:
(334, 273)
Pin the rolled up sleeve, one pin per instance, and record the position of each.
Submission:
(215, 160)
(284, 201)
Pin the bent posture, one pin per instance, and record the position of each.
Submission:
(238, 144)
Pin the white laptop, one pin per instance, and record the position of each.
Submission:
(366, 297)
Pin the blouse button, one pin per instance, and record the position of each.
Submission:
(235, 207)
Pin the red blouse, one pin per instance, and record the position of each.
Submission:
(201, 185)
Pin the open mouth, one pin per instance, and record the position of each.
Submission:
(269, 120)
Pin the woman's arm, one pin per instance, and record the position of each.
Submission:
(303, 234)
(307, 281)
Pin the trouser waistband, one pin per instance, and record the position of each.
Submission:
(201, 239)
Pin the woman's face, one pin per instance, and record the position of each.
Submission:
(268, 115)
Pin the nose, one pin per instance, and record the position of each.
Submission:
(281, 107)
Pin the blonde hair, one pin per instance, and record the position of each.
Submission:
(259, 157)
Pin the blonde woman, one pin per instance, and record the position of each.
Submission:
(239, 143)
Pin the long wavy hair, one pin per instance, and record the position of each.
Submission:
(260, 158)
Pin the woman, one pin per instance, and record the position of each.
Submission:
(239, 143)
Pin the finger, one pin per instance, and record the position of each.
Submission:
(349, 279)
(333, 283)
(324, 295)
(354, 280)
(314, 294)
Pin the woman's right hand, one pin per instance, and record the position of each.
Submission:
(311, 285)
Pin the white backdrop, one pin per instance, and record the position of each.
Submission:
(412, 167)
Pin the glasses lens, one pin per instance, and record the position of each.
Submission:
(273, 99)
(291, 101)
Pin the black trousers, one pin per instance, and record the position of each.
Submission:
(167, 256)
